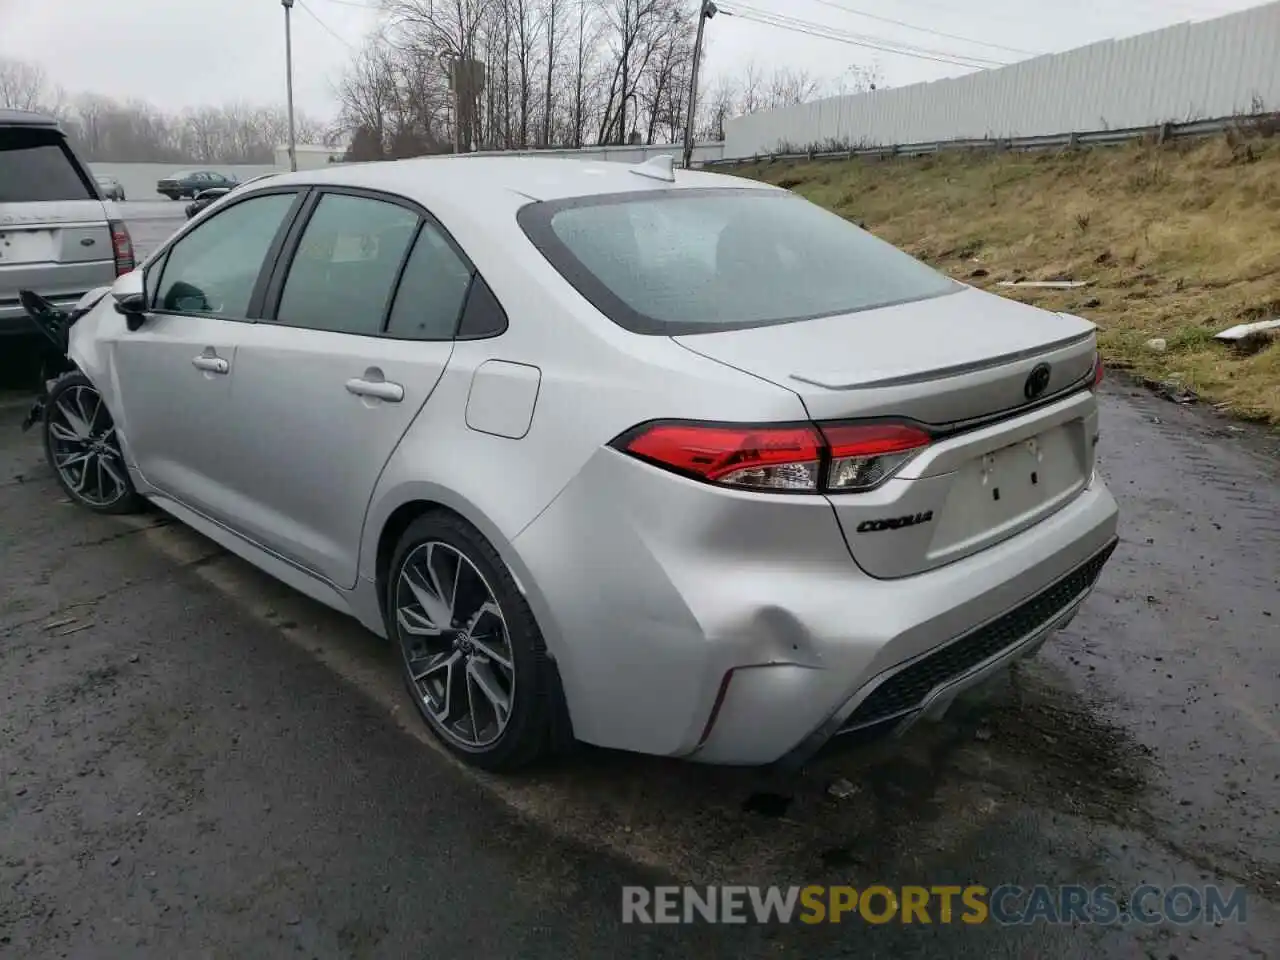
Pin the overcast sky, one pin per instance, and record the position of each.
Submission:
(179, 53)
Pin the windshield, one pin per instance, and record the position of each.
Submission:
(696, 261)
(35, 165)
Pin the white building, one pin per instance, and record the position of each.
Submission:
(311, 156)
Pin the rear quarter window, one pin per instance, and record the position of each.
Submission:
(36, 166)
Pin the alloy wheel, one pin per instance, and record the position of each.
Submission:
(455, 643)
(85, 447)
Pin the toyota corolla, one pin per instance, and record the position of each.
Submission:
(654, 459)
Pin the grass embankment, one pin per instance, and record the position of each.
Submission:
(1179, 241)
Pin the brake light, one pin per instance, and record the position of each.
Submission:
(768, 457)
(796, 458)
(122, 247)
(1097, 369)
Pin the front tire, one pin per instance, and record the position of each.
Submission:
(83, 448)
(472, 656)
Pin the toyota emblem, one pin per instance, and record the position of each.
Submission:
(1037, 381)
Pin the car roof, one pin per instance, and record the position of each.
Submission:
(431, 179)
(25, 118)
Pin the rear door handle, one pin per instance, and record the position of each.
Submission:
(210, 364)
(378, 389)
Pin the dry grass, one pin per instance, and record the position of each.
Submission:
(1180, 241)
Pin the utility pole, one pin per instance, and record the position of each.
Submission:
(708, 11)
(288, 69)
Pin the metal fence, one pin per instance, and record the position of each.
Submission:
(1097, 138)
(1189, 72)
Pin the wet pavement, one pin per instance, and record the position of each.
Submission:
(199, 762)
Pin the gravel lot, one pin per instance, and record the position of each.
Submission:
(198, 762)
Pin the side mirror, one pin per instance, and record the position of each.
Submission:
(130, 295)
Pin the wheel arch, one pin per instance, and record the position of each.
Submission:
(395, 509)
(393, 516)
(392, 513)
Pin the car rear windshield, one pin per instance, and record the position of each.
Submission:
(35, 165)
(697, 261)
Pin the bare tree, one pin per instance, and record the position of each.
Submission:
(639, 28)
(751, 89)
(135, 131)
(449, 32)
(717, 106)
(552, 11)
(23, 86)
(395, 94)
(524, 29)
(662, 90)
(588, 41)
(553, 71)
(788, 87)
(365, 95)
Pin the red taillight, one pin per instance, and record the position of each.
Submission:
(770, 457)
(1097, 369)
(122, 247)
(799, 458)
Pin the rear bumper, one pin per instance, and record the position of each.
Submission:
(734, 628)
(927, 685)
(990, 609)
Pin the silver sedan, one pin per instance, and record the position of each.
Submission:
(658, 460)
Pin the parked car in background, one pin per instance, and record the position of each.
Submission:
(111, 188)
(57, 235)
(208, 197)
(663, 460)
(191, 182)
(204, 198)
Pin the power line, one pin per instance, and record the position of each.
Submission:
(327, 29)
(822, 31)
(785, 20)
(910, 26)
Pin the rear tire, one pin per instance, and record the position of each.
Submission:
(83, 448)
(472, 656)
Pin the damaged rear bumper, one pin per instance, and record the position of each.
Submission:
(926, 686)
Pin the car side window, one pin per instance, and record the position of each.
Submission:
(432, 290)
(214, 268)
(345, 267)
(483, 315)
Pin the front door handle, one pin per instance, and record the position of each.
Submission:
(378, 389)
(210, 364)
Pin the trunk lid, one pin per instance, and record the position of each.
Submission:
(60, 248)
(63, 231)
(942, 360)
(1004, 457)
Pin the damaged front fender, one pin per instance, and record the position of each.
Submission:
(57, 326)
